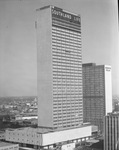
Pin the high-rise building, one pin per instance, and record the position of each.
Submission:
(97, 93)
(60, 103)
(59, 67)
(111, 132)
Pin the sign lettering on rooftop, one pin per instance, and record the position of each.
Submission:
(59, 13)
(108, 68)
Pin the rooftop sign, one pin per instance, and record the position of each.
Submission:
(107, 68)
(59, 13)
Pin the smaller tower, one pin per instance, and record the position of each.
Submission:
(97, 93)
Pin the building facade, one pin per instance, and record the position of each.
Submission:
(97, 93)
(111, 132)
(60, 103)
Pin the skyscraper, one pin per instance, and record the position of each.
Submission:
(111, 132)
(97, 93)
(60, 103)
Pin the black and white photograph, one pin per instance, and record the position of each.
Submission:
(59, 75)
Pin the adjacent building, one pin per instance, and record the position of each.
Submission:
(111, 132)
(44, 137)
(2, 135)
(60, 103)
(8, 146)
(97, 93)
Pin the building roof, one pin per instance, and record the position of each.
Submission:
(43, 130)
(114, 114)
(92, 141)
(44, 7)
(89, 64)
(3, 144)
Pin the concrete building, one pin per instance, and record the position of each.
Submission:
(60, 103)
(2, 135)
(8, 146)
(26, 117)
(97, 93)
(42, 137)
(111, 132)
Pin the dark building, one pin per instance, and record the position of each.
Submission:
(97, 93)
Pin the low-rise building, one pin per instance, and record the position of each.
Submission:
(2, 135)
(8, 146)
(45, 137)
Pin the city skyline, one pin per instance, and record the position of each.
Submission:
(18, 51)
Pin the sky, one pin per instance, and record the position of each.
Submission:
(18, 42)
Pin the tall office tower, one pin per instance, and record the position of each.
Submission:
(97, 93)
(111, 132)
(60, 103)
